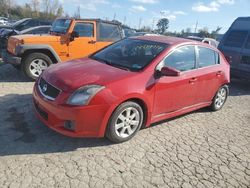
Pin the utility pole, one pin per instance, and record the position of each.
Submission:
(114, 16)
(124, 20)
(140, 20)
(153, 24)
(196, 25)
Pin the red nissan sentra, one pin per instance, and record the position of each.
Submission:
(131, 84)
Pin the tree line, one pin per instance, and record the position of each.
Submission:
(43, 9)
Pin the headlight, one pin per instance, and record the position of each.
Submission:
(84, 94)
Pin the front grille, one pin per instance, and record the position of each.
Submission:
(47, 90)
(41, 112)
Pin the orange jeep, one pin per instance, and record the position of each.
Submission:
(68, 39)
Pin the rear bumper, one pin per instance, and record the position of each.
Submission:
(9, 58)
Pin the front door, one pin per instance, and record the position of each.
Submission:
(175, 93)
(85, 44)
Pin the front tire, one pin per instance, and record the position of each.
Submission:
(125, 122)
(34, 64)
(220, 98)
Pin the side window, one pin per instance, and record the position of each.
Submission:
(84, 29)
(182, 59)
(248, 43)
(207, 57)
(235, 39)
(109, 32)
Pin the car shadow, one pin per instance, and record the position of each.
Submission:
(22, 133)
(239, 87)
(8, 73)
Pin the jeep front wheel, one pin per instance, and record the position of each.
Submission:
(34, 64)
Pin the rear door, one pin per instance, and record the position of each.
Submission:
(85, 44)
(210, 74)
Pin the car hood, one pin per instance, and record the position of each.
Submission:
(41, 39)
(69, 76)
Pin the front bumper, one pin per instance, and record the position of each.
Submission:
(88, 119)
(9, 58)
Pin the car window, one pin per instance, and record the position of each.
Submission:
(235, 38)
(207, 57)
(248, 43)
(182, 59)
(109, 32)
(84, 29)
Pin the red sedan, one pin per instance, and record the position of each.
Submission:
(130, 84)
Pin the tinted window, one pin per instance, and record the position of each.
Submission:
(235, 38)
(84, 29)
(109, 32)
(207, 57)
(182, 59)
(248, 43)
(130, 53)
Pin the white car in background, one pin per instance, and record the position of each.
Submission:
(3, 21)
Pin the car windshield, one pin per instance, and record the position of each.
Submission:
(131, 54)
(60, 26)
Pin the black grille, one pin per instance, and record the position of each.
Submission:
(48, 90)
(41, 112)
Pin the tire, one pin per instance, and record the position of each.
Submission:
(34, 63)
(120, 129)
(220, 98)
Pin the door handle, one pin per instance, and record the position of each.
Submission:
(219, 73)
(92, 42)
(192, 80)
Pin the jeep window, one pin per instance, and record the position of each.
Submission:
(207, 57)
(236, 38)
(109, 32)
(84, 29)
(131, 54)
(60, 26)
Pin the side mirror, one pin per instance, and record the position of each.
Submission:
(74, 35)
(166, 71)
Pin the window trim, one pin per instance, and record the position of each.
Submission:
(158, 66)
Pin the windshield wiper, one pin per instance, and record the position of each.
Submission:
(110, 63)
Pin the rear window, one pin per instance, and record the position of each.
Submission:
(207, 57)
(235, 38)
(109, 32)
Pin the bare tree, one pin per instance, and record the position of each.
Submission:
(35, 5)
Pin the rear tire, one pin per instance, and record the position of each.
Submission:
(34, 64)
(220, 98)
(125, 122)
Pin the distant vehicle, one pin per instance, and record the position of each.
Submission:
(129, 32)
(137, 34)
(210, 41)
(68, 39)
(235, 45)
(4, 36)
(130, 84)
(25, 24)
(3, 21)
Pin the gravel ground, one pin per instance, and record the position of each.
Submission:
(200, 149)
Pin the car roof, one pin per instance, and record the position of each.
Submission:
(165, 39)
(92, 19)
(37, 27)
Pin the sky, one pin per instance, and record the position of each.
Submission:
(182, 14)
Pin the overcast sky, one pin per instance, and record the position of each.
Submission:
(181, 13)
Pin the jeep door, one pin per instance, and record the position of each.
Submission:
(83, 44)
